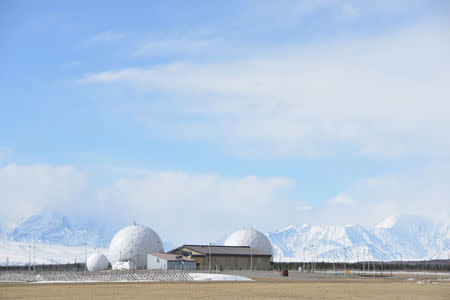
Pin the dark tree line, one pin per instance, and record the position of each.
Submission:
(46, 267)
(428, 265)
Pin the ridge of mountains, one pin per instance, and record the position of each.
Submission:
(401, 237)
(53, 228)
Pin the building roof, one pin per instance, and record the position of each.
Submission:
(171, 257)
(220, 250)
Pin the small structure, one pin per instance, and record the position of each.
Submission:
(123, 265)
(166, 261)
(97, 262)
(225, 257)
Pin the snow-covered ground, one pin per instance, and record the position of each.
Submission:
(217, 277)
(17, 253)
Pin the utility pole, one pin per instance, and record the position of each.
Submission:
(29, 258)
(209, 260)
(345, 260)
(251, 258)
(34, 259)
(304, 259)
(401, 260)
(85, 256)
(364, 261)
(374, 267)
(316, 256)
(133, 261)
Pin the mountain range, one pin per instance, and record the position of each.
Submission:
(51, 227)
(406, 237)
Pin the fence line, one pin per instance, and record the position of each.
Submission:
(106, 276)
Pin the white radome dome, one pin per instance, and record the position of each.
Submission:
(250, 237)
(132, 243)
(97, 262)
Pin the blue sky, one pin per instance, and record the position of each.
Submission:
(304, 110)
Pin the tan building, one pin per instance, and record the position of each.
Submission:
(225, 257)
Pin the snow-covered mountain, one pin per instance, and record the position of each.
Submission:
(56, 238)
(50, 227)
(399, 237)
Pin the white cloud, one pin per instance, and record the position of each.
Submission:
(186, 44)
(341, 199)
(422, 191)
(198, 207)
(5, 152)
(182, 207)
(381, 96)
(304, 208)
(26, 189)
(104, 38)
(348, 11)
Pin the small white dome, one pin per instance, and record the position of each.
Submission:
(132, 243)
(250, 237)
(97, 262)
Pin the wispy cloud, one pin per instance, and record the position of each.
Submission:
(24, 189)
(104, 38)
(341, 199)
(304, 208)
(419, 191)
(210, 203)
(382, 96)
(348, 11)
(5, 152)
(187, 43)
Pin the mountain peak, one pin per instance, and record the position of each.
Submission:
(287, 228)
(402, 220)
(52, 227)
(388, 222)
(404, 235)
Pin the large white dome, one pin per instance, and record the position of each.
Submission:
(132, 243)
(250, 237)
(97, 262)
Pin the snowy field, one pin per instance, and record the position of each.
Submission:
(217, 277)
(18, 253)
